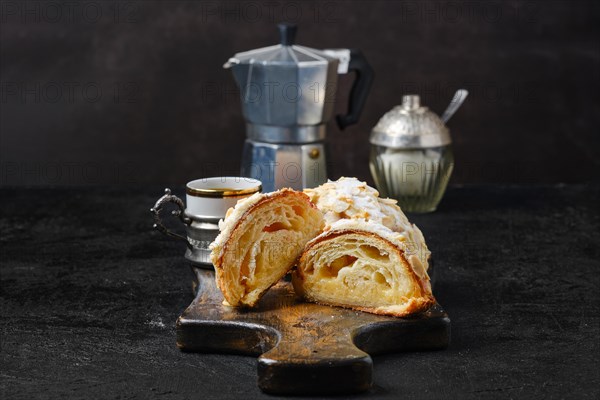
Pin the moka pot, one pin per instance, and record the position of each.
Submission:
(288, 94)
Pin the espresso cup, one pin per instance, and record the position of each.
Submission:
(208, 200)
(212, 197)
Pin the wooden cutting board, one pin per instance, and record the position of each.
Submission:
(303, 348)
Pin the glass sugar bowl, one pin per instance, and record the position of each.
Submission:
(411, 156)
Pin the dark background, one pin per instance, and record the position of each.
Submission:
(103, 92)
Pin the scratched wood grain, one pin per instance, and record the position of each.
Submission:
(303, 348)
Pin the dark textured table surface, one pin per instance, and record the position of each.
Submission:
(90, 295)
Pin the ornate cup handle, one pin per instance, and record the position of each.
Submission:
(179, 213)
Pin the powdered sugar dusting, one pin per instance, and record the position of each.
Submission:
(349, 199)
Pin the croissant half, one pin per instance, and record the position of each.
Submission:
(364, 267)
(260, 240)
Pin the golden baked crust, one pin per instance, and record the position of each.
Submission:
(260, 240)
(363, 266)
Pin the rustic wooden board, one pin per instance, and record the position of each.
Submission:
(303, 348)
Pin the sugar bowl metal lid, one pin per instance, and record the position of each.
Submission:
(410, 125)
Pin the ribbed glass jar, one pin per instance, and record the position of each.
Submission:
(417, 178)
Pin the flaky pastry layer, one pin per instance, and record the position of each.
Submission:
(363, 266)
(260, 240)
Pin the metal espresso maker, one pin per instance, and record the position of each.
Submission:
(288, 95)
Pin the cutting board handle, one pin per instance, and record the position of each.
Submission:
(320, 362)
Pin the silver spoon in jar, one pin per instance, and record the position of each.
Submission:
(457, 100)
